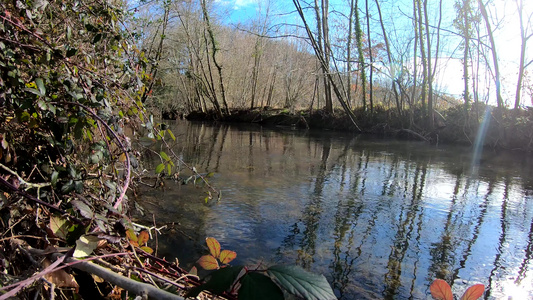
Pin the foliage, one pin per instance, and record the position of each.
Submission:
(254, 283)
(71, 84)
(139, 240)
(441, 290)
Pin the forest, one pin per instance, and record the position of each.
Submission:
(84, 85)
(428, 68)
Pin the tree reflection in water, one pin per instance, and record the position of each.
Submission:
(380, 218)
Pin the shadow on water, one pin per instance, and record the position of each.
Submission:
(379, 218)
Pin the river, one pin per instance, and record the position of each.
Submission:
(380, 218)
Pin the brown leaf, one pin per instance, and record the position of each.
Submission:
(60, 278)
(208, 262)
(143, 237)
(227, 255)
(474, 292)
(441, 290)
(214, 246)
(193, 271)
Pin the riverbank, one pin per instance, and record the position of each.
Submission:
(500, 128)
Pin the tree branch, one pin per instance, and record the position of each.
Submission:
(138, 288)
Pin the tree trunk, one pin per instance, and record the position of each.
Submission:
(361, 57)
(431, 119)
(524, 37)
(389, 57)
(214, 50)
(371, 94)
(424, 58)
(484, 13)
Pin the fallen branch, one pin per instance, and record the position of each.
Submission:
(418, 135)
(138, 288)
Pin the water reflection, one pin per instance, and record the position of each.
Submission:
(380, 218)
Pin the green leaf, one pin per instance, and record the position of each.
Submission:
(96, 157)
(130, 234)
(169, 169)
(40, 84)
(159, 168)
(54, 177)
(164, 156)
(67, 187)
(302, 283)
(256, 286)
(171, 134)
(221, 280)
(84, 209)
(59, 226)
(147, 249)
(85, 245)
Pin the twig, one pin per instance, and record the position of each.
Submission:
(160, 277)
(24, 182)
(32, 198)
(20, 285)
(158, 230)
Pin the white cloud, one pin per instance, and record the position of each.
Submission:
(244, 3)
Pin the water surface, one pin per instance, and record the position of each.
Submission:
(380, 218)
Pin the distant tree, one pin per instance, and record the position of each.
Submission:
(526, 32)
(360, 52)
(493, 50)
(463, 23)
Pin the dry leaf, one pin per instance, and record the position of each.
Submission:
(97, 279)
(60, 278)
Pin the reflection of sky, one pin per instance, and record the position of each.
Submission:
(377, 218)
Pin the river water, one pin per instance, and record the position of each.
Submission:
(380, 218)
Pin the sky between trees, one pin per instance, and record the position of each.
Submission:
(503, 15)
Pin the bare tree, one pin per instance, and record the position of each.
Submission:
(525, 35)
(321, 58)
(371, 64)
(485, 16)
(214, 50)
(360, 56)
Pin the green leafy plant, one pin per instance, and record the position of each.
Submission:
(441, 290)
(259, 284)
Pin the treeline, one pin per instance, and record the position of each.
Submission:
(352, 55)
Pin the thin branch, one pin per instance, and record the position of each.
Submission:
(24, 182)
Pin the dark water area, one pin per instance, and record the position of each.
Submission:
(379, 218)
